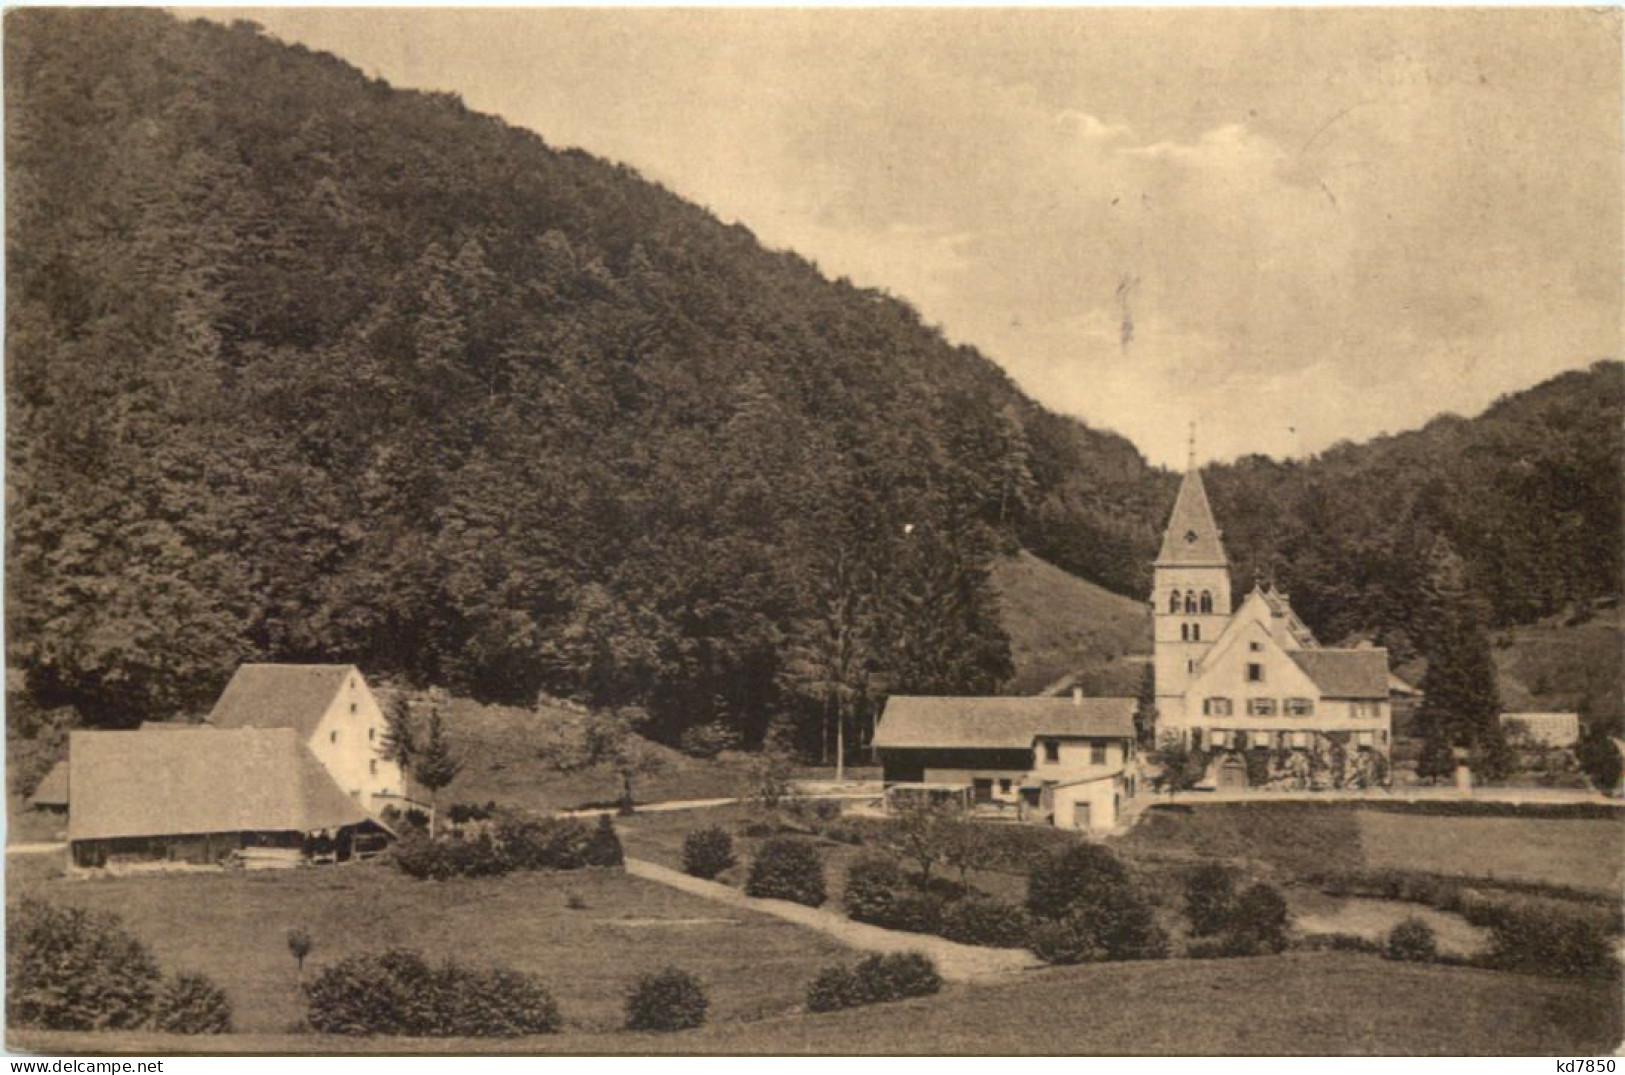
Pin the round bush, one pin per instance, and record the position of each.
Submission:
(1123, 930)
(1413, 941)
(1082, 875)
(668, 1000)
(833, 989)
(787, 869)
(1210, 898)
(707, 852)
(872, 888)
(896, 976)
(72, 969)
(1259, 923)
(191, 1004)
(987, 922)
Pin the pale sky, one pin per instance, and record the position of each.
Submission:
(1290, 226)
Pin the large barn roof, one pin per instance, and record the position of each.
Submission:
(999, 723)
(1346, 673)
(204, 781)
(279, 696)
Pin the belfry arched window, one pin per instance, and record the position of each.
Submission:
(1190, 601)
(1173, 601)
(1207, 601)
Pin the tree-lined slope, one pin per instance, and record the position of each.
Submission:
(304, 367)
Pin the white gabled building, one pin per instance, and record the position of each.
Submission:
(333, 712)
(1253, 677)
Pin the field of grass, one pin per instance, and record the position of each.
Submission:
(1587, 854)
(1297, 839)
(233, 928)
(1329, 1002)
(1060, 624)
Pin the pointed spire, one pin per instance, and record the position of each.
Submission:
(1192, 537)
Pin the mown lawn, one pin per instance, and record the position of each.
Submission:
(1584, 853)
(233, 928)
(1311, 1003)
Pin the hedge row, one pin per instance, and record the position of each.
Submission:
(399, 993)
(877, 893)
(515, 843)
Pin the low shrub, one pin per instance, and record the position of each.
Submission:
(897, 976)
(877, 979)
(463, 813)
(707, 852)
(1210, 898)
(399, 993)
(515, 842)
(667, 1000)
(1259, 923)
(1560, 947)
(708, 740)
(1412, 941)
(416, 855)
(72, 969)
(191, 1004)
(787, 869)
(834, 988)
(988, 922)
(1330, 942)
(1082, 875)
(873, 886)
(604, 845)
(1122, 931)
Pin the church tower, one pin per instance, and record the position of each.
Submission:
(1190, 596)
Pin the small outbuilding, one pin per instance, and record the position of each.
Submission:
(51, 797)
(205, 796)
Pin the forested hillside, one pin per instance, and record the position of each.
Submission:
(1527, 494)
(303, 367)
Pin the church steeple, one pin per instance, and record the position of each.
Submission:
(1192, 537)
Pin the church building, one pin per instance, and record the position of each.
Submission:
(1250, 682)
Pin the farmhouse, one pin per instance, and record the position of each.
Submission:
(203, 794)
(1066, 758)
(335, 715)
(1255, 678)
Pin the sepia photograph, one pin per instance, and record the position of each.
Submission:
(952, 531)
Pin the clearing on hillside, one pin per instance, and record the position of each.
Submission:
(1061, 625)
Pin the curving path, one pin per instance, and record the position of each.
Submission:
(955, 962)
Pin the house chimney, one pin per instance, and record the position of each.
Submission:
(1077, 697)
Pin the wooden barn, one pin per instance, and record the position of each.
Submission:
(208, 795)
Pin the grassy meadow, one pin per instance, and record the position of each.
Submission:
(1313, 1003)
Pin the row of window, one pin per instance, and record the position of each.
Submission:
(1246, 740)
(1292, 707)
(1190, 632)
(1052, 752)
(372, 735)
(1190, 602)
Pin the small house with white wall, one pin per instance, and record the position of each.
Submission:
(1070, 759)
